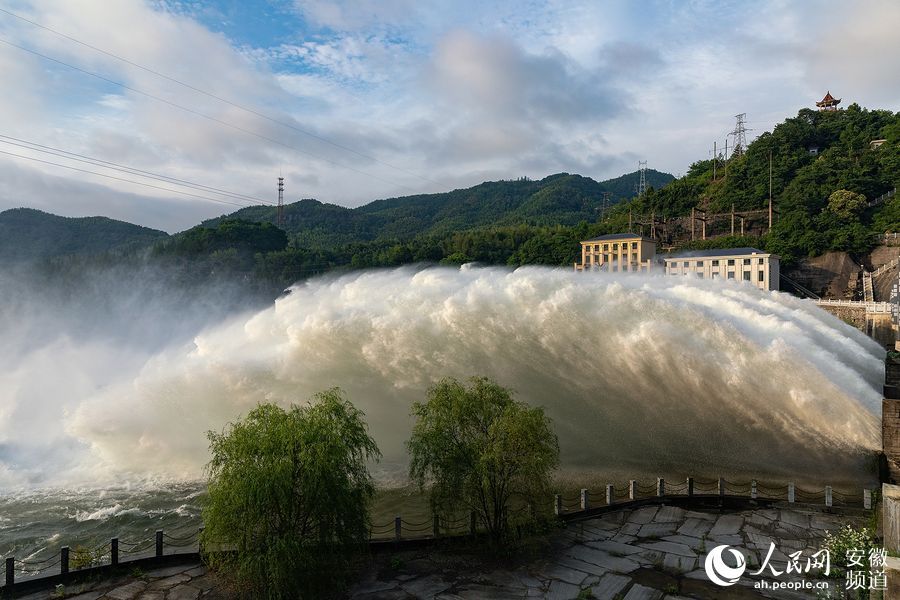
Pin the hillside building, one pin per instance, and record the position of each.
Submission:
(617, 252)
(738, 264)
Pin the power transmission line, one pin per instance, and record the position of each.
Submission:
(216, 97)
(200, 114)
(149, 185)
(5, 139)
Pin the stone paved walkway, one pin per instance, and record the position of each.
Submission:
(182, 582)
(650, 553)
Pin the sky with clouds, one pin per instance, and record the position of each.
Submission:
(357, 100)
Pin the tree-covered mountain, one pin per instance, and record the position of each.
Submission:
(814, 156)
(560, 199)
(826, 170)
(26, 233)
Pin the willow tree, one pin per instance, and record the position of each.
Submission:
(480, 450)
(289, 496)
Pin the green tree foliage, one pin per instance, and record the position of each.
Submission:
(289, 493)
(480, 450)
(846, 204)
(246, 237)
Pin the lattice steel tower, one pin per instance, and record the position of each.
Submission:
(739, 134)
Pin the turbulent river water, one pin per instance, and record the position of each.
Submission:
(107, 395)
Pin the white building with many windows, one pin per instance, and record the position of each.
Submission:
(738, 264)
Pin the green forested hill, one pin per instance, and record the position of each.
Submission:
(561, 199)
(825, 174)
(28, 234)
(814, 155)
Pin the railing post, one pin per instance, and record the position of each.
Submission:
(398, 526)
(159, 543)
(585, 501)
(472, 522)
(867, 499)
(660, 487)
(64, 560)
(828, 499)
(114, 551)
(436, 525)
(690, 486)
(792, 492)
(753, 492)
(10, 572)
(557, 504)
(632, 489)
(610, 494)
(721, 487)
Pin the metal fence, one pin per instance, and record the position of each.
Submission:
(633, 490)
(115, 552)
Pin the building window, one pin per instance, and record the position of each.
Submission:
(715, 275)
(730, 274)
(762, 276)
(605, 247)
(634, 256)
(762, 261)
(634, 245)
(699, 263)
(685, 264)
(615, 247)
(746, 261)
(715, 263)
(746, 275)
(730, 262)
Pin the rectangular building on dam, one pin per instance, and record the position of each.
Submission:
(617, 252)
(739, 264)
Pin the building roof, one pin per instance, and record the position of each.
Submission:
(828, 100)
(724, 252)
(618, 236)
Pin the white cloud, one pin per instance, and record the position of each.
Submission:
(454, 93)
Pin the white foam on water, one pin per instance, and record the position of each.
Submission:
(637, 372)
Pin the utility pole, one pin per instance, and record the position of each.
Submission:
(606, 196)
(770, 190)
(732, 218)
(726, 158)
(715, 160)
(279, 212)
(693, 220)
(629, 221)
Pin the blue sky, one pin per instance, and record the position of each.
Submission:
(353, 101)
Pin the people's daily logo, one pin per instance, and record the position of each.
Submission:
(719, 572)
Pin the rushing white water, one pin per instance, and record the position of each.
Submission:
(643, 373)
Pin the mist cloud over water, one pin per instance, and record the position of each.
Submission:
(643, 373)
